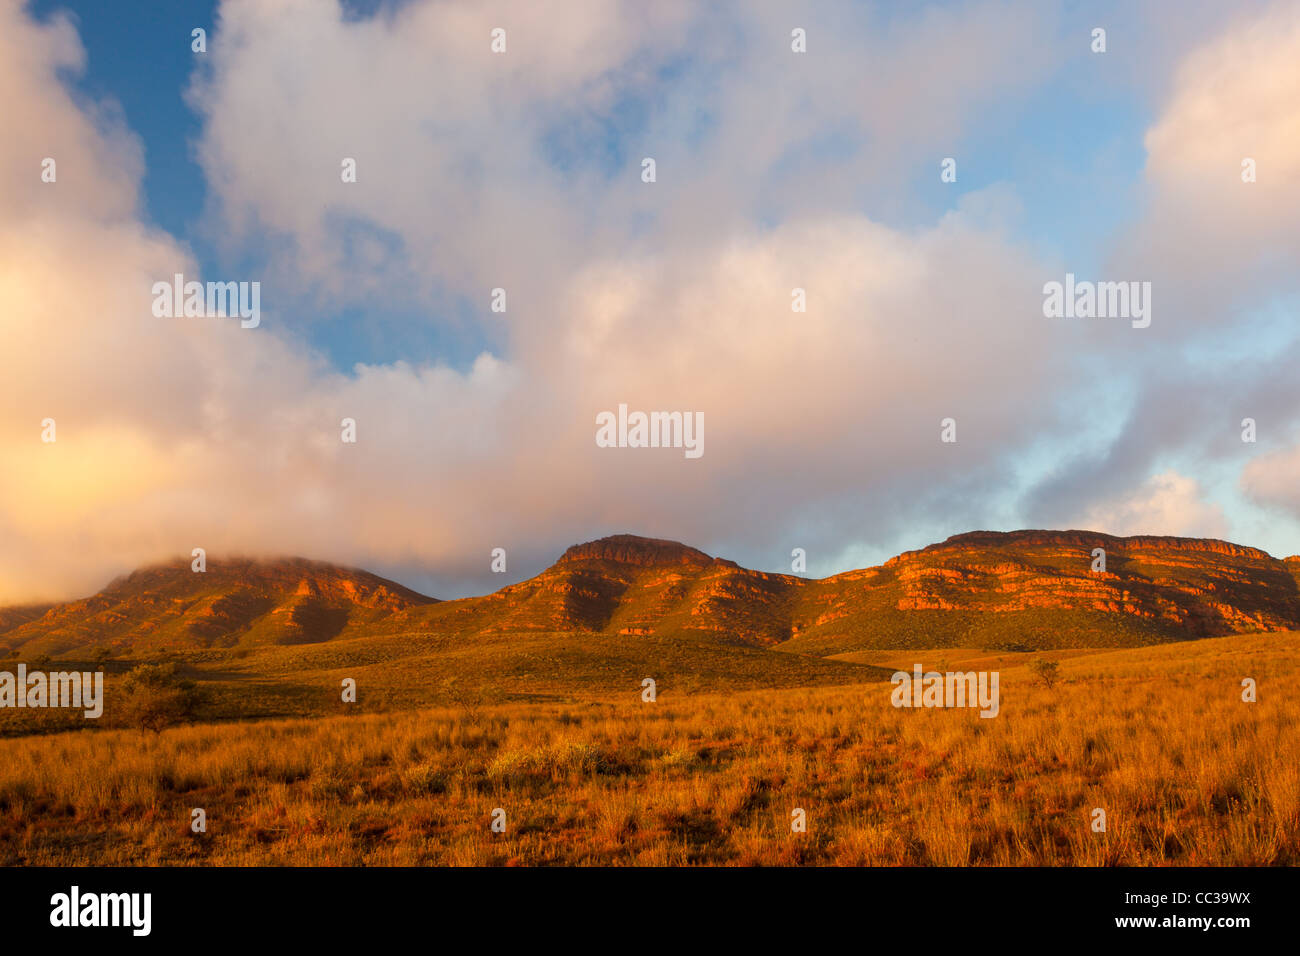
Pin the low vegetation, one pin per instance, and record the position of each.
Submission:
(1158, 737)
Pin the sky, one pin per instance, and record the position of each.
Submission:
(522, 170)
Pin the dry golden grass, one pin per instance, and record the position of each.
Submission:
(1158, 737)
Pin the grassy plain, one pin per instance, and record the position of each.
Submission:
(710, 773)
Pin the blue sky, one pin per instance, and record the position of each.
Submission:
(136, 59)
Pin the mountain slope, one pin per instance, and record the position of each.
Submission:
(1037, 589)
(1014, 590)
(240, 601)
(630, 585)
(19, 614)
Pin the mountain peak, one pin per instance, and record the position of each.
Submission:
(636, 550)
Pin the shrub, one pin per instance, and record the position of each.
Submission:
(154, 697)
(424, 778)
(1045, 671)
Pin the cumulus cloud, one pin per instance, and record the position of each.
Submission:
(1167, 503)
(1208, 241)
(477, 171)
(1273, 479)
(454, 191)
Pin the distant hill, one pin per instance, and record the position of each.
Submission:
(170, 607)
(630, 585)
(1015, 590)
(1037, 589)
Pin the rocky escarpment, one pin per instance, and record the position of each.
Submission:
(1027, 589)
(1045, 588)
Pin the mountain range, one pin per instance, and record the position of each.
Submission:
(1016, 590)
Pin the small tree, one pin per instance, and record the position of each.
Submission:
(469, 699)
(1047, 672)
(154, 696)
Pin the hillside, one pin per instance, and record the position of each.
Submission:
(1015, 590)
(1036, 589)
(17, 615)
(239, 601)
(630, 585)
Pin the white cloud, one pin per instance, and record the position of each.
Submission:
(824, 425)
(1167, 503)
(1274, 479)
(1210, 243)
